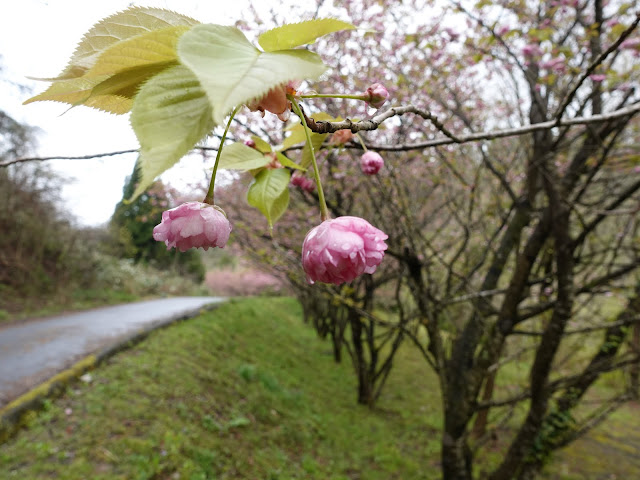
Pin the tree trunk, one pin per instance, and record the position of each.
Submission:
(480, 425)
(365, 385)
(634, 381)
(456, 457)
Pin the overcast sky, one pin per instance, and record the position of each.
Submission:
(37, 38)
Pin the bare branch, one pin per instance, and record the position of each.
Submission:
(591, 68)
(375, 122)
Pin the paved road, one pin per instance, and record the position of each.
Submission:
(34, 351)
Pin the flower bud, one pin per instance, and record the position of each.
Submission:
(371, 163)
(376, 95)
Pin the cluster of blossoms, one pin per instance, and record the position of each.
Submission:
(336, 251)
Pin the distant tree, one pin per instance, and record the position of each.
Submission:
(37, 244)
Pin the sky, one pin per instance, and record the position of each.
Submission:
(37, 38)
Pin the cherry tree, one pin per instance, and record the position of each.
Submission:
(498, 174)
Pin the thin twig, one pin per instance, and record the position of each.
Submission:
(591, 68)
(375, 122)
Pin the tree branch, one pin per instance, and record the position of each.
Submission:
(591, 68)
(375, 122)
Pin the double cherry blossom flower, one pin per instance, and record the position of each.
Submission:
(336, 251)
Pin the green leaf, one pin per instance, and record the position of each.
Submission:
(287, 162)
(127, 83)
(78, 91)
(155, 47)
(316, 139)
(120, 71)
(170, 115)
(238, 156)
(297, 136)
(233, 72)
(297, 34)
(269, 193)
(261, 145)
(115, 28)
(113, 93)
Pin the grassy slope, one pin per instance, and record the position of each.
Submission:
(245, 391)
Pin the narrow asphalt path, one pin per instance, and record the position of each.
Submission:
(34, 351)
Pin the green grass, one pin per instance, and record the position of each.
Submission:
(246, 391)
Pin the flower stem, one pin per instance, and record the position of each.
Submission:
(364, 147)
(209, 198)
(333, 95)
(324, 211)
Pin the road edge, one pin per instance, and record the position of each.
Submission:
(19, 412)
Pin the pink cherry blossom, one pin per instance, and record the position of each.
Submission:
(193, 225)
(303, 182)
(630, 43)
(452, 33)
(371, 163)
(597, 77)
(531, 50)
(342, 249)
(556, 64)
(376, 95)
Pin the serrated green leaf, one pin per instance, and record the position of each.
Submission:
(113, 93)
(155, 47)
(261, 145)
(127, 82)
(269, 193)
(316, 139)
(78, 91)
(116, 28)
(238, 156)
(297, 34)
(233, 72)
(170, 115)
(287, 162)
(296, 137)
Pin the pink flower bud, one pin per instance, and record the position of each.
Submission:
(342, 249)
(193, 225)
(371, 163)
(303, 183)
(376, 95)
(250, 143)
(597, 77)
